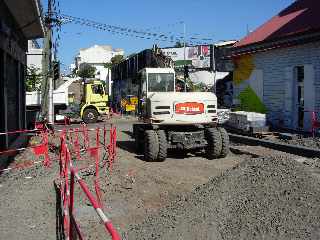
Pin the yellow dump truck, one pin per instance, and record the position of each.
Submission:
(94, 101)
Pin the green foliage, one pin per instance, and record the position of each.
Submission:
(86, 71)
(114, 61)
(33, 79)
(250, 102)
(178, 45)
(107, 65)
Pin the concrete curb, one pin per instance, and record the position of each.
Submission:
(289, 148)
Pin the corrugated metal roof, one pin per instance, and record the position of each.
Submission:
(302, 16)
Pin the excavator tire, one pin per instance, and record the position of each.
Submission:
(214, 147)
(163, 145)
(224, 142)
(151, 146)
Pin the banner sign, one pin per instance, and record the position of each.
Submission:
(196, 56)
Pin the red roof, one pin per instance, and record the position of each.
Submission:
(302, 16)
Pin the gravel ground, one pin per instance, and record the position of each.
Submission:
(28, 204)
(137, 188)
(133, 190)
(263, 198)
(241, 199)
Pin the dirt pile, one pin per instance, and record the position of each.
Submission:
(265, 198)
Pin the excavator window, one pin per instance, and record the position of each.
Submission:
(161, 82)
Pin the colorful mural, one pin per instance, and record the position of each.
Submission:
(249, 84)
(250, 102)
(244, 66)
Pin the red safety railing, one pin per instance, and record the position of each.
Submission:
(95, 203)
(79, 140)
(67, 168)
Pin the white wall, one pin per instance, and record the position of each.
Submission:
(98, 54)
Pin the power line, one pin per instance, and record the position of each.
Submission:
(131, 32)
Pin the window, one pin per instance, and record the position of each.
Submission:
(97, 89)
(299, 71)
(300, 85)
(160, 82)
(300, 74)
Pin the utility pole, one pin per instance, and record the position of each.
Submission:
(46, 85)
(184, 55)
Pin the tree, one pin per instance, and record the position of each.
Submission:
(114, 61)
(33, 79)
(86, 71)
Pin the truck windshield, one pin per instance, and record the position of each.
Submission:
(97, 89)
(160, 82)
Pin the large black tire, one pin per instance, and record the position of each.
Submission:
(214, 147)
(151, 146)
(224, 142)
(90, 115)
(163, 145)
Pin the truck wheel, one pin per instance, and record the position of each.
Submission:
(224, 142)
(214, 147)
(163, 145)
(151, 146)
(90, 115)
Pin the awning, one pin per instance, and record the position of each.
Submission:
(27, 14)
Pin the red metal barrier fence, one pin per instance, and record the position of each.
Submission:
(67, 185)
(78, 140)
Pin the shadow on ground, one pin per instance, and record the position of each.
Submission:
(7, 158)
(129, 146)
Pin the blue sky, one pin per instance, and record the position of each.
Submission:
(220, 20)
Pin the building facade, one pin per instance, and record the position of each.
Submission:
(277, 67)
(97, 56)
(19, 21)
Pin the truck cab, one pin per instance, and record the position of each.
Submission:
(94, 101)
